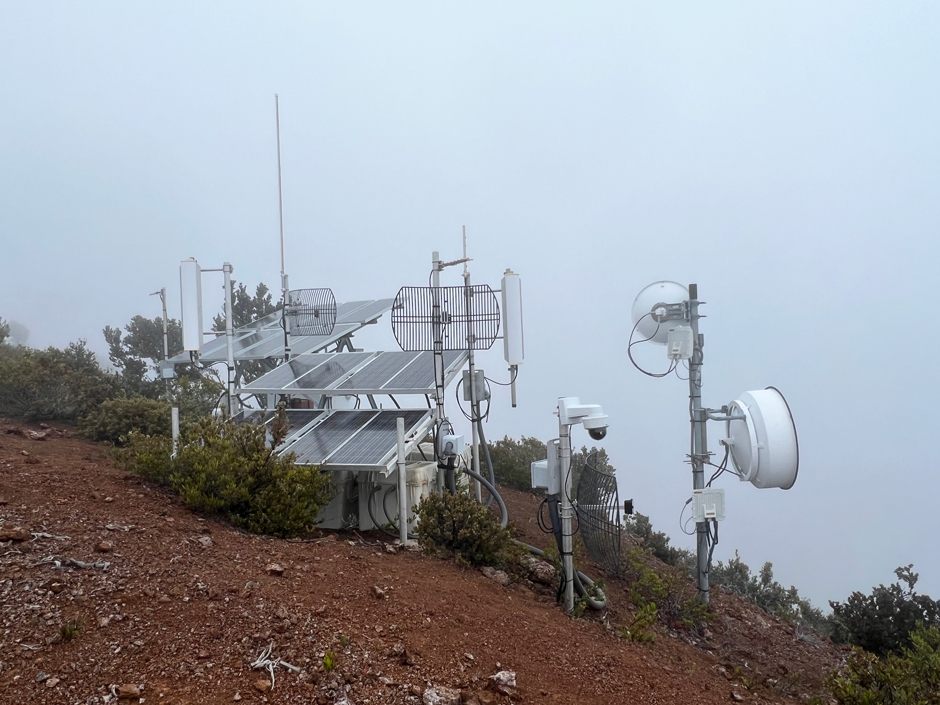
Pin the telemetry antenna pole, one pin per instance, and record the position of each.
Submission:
(474, 401)
(699, 454)
(280, 210)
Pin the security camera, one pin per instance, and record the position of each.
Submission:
(596, 425)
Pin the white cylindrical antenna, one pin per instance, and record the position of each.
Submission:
(513, 345)
(191, 301)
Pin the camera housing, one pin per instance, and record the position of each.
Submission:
(596, 426)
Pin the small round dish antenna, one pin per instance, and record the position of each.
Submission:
(764, 447)
(651, 306)
(311, 311)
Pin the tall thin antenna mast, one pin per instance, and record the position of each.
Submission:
(285, 287)
(280, 201)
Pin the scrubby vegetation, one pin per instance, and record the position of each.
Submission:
(232, 470)
(765, 592)
(115, 419)
(458, 525)
(512, 460)
(52, 384)
(883, 622)
(911, 676)
(663, 592)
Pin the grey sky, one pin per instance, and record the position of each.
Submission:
(784, 156)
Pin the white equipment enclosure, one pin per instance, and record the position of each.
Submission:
(764, 446)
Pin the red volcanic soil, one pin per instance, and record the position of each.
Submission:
(170, 607)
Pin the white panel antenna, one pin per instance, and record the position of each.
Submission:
(513, 345)
(191, 299)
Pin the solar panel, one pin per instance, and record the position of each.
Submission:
(316, 444)
(264, 338)
(373, 443)
(379, 371)
(357, 373)
(420, 375)
(283, 375)
(326, 375)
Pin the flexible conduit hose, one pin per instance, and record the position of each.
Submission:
(385, 511)
(580, 579)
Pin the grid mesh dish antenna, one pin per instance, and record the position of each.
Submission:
(461, 317)
(598, 510)
(311, 311)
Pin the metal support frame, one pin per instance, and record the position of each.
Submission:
(474, 402)
(566, 511)
(699, 450)
(229, 340)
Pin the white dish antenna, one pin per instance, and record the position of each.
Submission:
(764, 446)
(651, 306)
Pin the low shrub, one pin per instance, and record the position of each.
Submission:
(456, 524)
(230, 469)
(53, 384)
(667, 589)
(768, 594)
(116, 418)
(883, 621)
(639, 526)
(910, 676)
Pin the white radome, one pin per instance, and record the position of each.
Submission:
(664, 292)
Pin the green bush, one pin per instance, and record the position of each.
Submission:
(909, 677)
(511, 460)
(229, 469)
(459, 525)
(116, 418)
(667, 589)
(639, 526)
(765, 592)
(53, 384)
(882, 622)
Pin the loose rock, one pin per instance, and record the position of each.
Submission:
(439, 695)
(274, 569)
(104, 547)
(497, 576)
(128, 691)
(542, 572)
(14, 535)
(378, 592)
(263, 685)
(504, 682)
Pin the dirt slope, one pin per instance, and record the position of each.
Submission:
(186, 604)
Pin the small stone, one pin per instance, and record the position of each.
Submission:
(52, 682)
(41, 676)
(163, 599)
(24, 453)
(14, 535)
(103, 622)
(203, 654)
(736, 697)
(128, 691)
(378, 592)
(205, 541)
(104, 547)
(497, 576)
(263, 685)
(439, 695)
(504, 682)
(238, 696)
(274, 569)
(542, 572)
(38, 435)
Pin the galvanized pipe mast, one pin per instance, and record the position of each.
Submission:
(474, 401)
(565, 510)
(229, 340)
(699, 450)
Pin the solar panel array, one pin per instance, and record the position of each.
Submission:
(357, 373)
(360, 438)
(264, 338)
